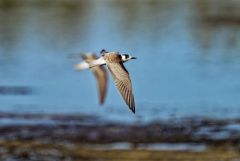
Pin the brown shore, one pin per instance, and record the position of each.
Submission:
(80, 137)
(32, 150)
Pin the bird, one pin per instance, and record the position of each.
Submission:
(114, 62)
(100, 74)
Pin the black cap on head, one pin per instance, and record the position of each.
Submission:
(103, 51)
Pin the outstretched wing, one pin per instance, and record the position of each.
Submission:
(123, 82)
(100, 74)
(102, 80)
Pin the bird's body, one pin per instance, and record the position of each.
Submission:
(114, 62)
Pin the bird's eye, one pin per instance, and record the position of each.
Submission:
(127, 56)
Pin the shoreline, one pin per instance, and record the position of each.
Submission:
(48, 137)
(93, 130)
(33, 150)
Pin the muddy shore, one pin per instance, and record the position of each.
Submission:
(81, 137)
(39, 151)
(90, 129)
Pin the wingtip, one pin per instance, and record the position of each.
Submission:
(133, 110)
(101, 102)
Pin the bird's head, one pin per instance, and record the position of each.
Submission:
(126, 57)
(103, 52)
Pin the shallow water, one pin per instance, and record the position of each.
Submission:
(188, 56)
(154, 146)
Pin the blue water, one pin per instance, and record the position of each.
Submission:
(188, 57)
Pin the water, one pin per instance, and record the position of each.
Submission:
(154, 146)
(188, 56)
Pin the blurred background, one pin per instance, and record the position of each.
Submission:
(186, 78)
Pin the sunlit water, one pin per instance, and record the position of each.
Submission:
(188, 57)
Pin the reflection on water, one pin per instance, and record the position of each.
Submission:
(188, 55)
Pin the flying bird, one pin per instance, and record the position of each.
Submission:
(100, 74)
(114, 62)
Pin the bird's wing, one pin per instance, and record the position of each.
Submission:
(123, 82)
(102, 80)
(100, 74)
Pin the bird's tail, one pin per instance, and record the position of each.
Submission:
(81, 66)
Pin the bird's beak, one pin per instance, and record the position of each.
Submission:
(134, 58)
